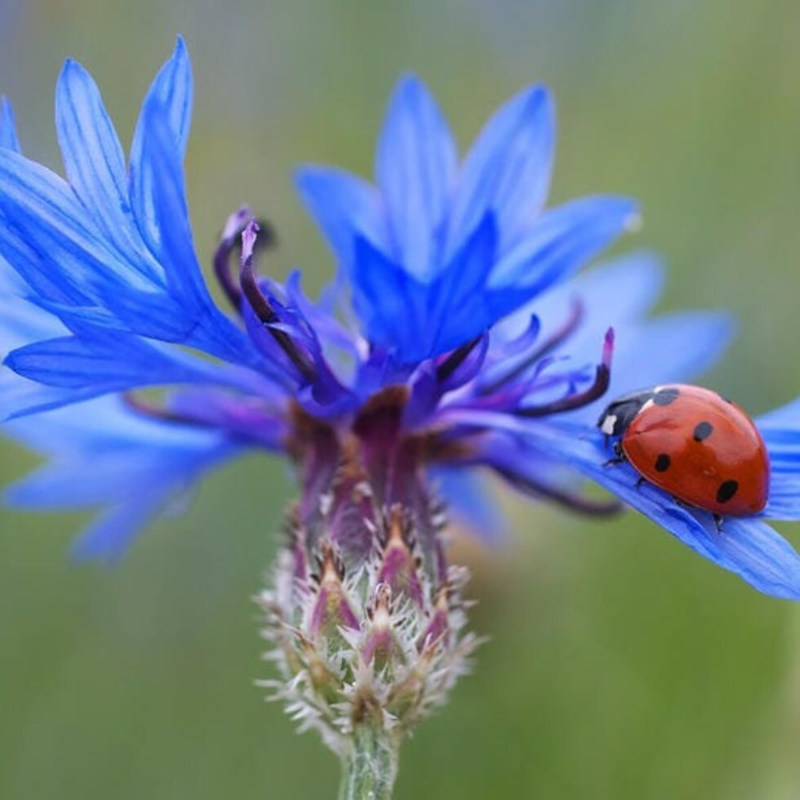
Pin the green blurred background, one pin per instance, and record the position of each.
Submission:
(620, 665)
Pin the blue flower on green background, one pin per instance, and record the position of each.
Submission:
(458, 290)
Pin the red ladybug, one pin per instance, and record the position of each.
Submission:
(690, 442)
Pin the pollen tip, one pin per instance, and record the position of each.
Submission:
(249, 235)
(608, 347)
(235, 223)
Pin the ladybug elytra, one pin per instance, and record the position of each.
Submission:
(690, 442)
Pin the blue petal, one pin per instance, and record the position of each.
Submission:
(112, 363)
(781, 432)
(508, 169)
(415, 320)
(673, 347)
(470, 504)
(94, 479)
(38, 279)
(610, 293)
(786, 418)
(21, 397)
(783, 442)
(51, 242)
(536, 473)
(119, 473)
(759, 555)
(458, 306)
(8, 128)
(93, 426)
(561, 241)
(77, 266)
(171, 90)
(344, 207)
(56, 247)
(158, 197)
(106, 455)
(94, 161)
(382, 297)
(746, 546)
(784, 494)
(415, 169)
(110, 535)
(614, 294)
(54, 225)
(20, 321)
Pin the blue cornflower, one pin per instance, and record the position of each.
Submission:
(438, 252)
(474, 345)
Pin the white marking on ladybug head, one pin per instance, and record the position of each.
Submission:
(608, 423)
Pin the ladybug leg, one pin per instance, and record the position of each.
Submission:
(619, 456)
(641, 480)
(718, 522)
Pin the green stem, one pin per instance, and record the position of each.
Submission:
(370, 768)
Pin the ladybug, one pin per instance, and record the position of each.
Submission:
(694, 444)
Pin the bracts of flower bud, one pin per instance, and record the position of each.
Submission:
(365, 617)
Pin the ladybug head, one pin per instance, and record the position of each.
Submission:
(620, 413)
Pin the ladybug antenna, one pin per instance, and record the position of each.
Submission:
(579, 399)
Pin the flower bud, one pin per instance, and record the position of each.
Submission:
(365, 617)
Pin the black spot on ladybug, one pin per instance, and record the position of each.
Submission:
(727, 489)
(662, 462)
(663, 397)
(702, 431)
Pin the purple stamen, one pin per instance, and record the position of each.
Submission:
(455, 359)
(248, 280)
(262, 308)
(146, 409)
(558, 337)
(583, 505)
(578, 399)
(228, 241)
